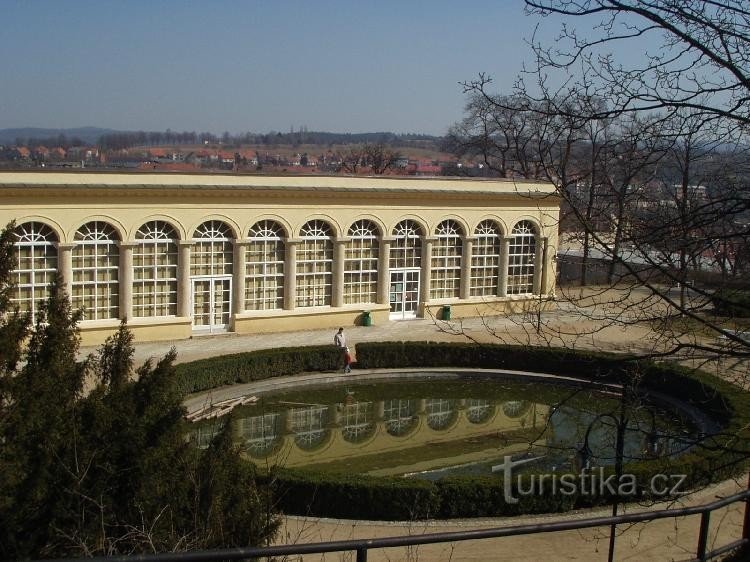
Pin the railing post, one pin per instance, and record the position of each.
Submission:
(703, 535)
(362, 554)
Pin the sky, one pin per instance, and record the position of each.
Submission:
(340, 66)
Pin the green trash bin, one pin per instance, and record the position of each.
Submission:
(446, 312)
(366, 318)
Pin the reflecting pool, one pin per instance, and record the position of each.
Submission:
(439, 425)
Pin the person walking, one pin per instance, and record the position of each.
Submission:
(347, 361)
(339, 339)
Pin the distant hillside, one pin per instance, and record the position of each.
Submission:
(121, 140)
(89, 135)
(114, 139)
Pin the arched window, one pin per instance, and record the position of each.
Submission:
(441, 413)
(155, 270)
(260, 434)
(314, 264)
(309, 425)
(479, 410)
(399, 416)
(36, 265)
(96, 261)
(357, 422)
(516, 408)
(521, 259)
(406, 250)
(485, 260)
(446, 261)
(212, 249)
(361, 263)
(264, 267)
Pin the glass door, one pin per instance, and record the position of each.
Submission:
(212, 304)
(404, 294)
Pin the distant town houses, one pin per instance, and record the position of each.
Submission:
(221, 158)
(41, 156)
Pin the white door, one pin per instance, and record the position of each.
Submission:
(212, 303)
(404, 294)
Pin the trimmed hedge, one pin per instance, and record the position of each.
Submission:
(205, 374)
(356, 496)
(731, 302)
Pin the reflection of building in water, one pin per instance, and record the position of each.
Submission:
(259, 434)
(308, 426)
(437, 435)
(205, 431)
(429, 432)
(479, 411)
(357, 421)
(400, 416)
(440, 413)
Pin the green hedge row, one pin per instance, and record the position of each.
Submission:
(304, 493)
(356, 496)
(206, 374)
(732, 302)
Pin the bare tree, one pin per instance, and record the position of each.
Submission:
(500, 131)
(642, 176)
(655, 178)
(375, 158)
(701, 62)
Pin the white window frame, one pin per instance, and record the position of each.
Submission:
(264, 266)
(485, 260)
(521, 257)
(447, 253)
(314, 273)
(96, 286)
(155, 269)
(357, 421)
(212, 251)
(406, 249)
(36, 266)
(361, 263)
(309, 425)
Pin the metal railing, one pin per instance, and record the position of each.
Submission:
(363, 546)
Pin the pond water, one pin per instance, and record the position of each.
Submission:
(438, 425)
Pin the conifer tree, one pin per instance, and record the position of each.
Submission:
(13, 330)
(41, 430)
(13, 325)
(231, 505)
(106, 469)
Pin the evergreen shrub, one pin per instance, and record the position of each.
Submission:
(732, 302)
(355, 496)
(206, 374)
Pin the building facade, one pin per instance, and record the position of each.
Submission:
(185, 254)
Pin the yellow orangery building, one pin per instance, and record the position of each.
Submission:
(185, 254)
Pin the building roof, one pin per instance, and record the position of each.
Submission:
(257, 182)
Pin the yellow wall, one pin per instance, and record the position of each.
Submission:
(66, 201)
(335, 448)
